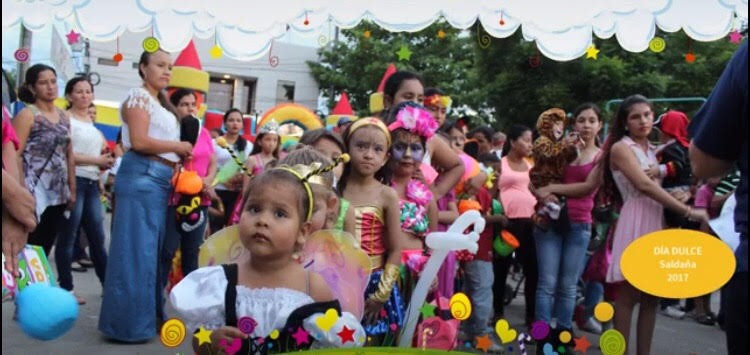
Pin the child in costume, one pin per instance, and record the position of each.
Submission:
(374, 222)
(551, 153)
(411, 126)
(674, 163)
(269, 302)
(266, 149)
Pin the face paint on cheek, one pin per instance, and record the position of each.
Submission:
(417, 154)
(398, 153)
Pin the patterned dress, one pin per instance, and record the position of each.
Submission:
(45, 162)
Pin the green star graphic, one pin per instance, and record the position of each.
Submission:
(427, 310)
(404, 53)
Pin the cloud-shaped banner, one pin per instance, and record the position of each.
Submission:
(244, 29)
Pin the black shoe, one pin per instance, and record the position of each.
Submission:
(77, 267)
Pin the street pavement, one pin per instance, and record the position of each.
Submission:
(671, 336)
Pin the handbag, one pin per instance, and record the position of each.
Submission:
(439, 331)
(596, 269)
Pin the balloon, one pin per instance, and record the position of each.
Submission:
(46, 312)
(441, 243)
(337, 257)
(223, 247)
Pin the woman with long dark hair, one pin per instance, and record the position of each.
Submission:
(46, 151)
(518, 201)
(229, 190)
(627, 156)
(131, 305)
(88, 146)
(562, 254)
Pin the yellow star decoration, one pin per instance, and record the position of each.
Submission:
(592, 52)
(367, 34)
(404, 53)
(441, 34)
(203, 336)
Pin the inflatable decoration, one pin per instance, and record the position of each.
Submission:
(440, 243)
(343, 109)
(292, 113)
(187, 73)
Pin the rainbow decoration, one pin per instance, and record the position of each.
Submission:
(292, 113)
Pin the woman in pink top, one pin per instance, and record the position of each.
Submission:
(518, 201)
(188, 235)
(628, 155)
(564, 252)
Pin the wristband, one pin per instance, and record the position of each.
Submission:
(387, 281)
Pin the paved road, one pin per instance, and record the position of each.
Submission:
(679, 337)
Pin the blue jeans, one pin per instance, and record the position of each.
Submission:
(189, 243)
(592, 294)
(89, 214)
(478, 286)
(132, 299)
(560, 259)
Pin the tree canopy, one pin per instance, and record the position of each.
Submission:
(507, 81)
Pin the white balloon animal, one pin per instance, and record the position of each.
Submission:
(440, 243)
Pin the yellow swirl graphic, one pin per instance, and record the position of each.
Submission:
(172, 333)
(150, 44)
(657, 45)
(612, 343)
(322, 40)
(483, 38)
(460, 306)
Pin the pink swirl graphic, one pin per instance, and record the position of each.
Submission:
(22, 55)
(247, 325)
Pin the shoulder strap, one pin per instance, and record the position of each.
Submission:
(230, 296)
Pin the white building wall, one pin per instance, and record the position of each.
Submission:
(115, 81)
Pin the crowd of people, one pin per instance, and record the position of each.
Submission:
(389, 180)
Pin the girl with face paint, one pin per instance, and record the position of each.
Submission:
(411, 127)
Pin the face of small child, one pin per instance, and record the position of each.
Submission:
(458, 139)
(557, 129)
(271, 224)
(332, 150)
(368, 149)
(324, 204)
(439, 112)
(269, 143)
(406, 153)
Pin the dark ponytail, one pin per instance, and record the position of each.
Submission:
(32, 76)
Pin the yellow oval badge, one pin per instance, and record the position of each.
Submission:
(677, 263)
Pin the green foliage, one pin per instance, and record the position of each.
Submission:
(500, 78)
(356, 64)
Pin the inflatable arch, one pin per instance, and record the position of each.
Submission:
(292, 113)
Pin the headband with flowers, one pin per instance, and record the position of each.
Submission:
(436, 99)
(415, 120)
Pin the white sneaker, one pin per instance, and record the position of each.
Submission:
(673, 312)
(592, 326)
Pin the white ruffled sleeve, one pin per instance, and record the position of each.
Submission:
(199, 298)
(346, 331)
(138, 97)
